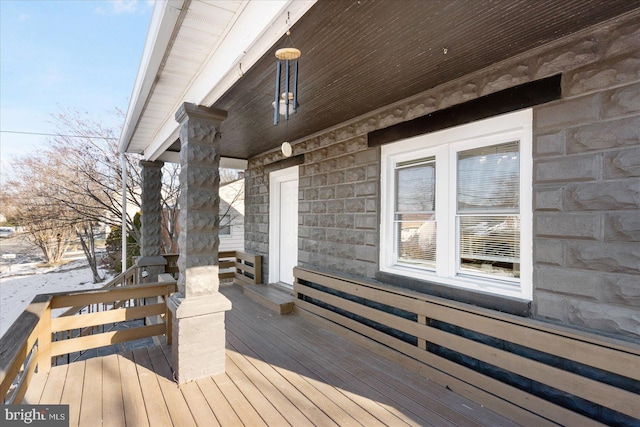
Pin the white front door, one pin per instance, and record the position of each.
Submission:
(283, 225)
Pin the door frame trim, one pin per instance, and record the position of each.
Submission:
(275, 178)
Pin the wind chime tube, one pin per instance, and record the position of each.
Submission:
(295, 86)
(286, 79)
(276, 110)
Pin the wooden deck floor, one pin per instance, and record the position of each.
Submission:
(281, 370)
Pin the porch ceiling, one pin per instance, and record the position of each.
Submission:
(360, 55)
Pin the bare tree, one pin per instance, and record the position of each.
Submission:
(53, 236)
(49, 225)
(85, 231)
(170, 207)
(80, 174)
(228, 175)
(77, 182)
(8, 206)
(88, 152)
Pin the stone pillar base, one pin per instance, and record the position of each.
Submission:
(152, 265)
(198, 335)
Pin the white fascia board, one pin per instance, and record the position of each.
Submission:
(163, 21)
(260, 25)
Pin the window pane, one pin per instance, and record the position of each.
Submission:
(415, 225)
(416, 238)
(415, 187)
(489, 179)
(225, 230)
(490, 245)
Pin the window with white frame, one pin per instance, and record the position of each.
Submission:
(456, 206)
(225, 230)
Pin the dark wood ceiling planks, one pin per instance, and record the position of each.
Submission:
(360, 55)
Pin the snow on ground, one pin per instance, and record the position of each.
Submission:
(24, 281)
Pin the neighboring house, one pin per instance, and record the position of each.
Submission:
(232, 221)
(486, 153)
(232, 207)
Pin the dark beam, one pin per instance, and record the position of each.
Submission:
(516, 98)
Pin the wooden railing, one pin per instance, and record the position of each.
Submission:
(533, 372)
(18, 350)
(241, 267)
(28, 344)
(126, 278)
(37, 337)
(248, 269)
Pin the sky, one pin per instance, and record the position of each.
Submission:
(56, 55)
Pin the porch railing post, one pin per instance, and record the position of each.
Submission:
(44, 340)
(257, 265)
(168, 316)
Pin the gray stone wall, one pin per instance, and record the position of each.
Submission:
(256, 213)
(586, 179)
(338, 208)
(587, 198)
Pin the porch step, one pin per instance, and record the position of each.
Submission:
(270, 297)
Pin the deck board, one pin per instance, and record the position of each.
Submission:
(291, 359)
(294, 416)
(91, 408)
(280, 370)
(225, 414)
(310, 410)
(73, 391)
(35, 389)
(52, 392)
(157, 410)
(198, 405)
(202, 413)
(134, 407)
(377, 411)
(176, 403)
(112, 404)
(267, 411)
(247, 413)
(447, 403)
(315, 366)
(391, 372)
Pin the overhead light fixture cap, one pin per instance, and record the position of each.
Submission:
(286, 149)
(288, 53)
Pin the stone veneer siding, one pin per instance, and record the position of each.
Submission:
(586, 185)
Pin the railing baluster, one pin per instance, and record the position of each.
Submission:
(44, 340)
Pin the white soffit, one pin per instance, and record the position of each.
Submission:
(163, 20)
(197, 59)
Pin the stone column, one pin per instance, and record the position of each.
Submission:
(198, 309)
(151, 262)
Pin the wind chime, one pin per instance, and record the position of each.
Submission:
(286, 102)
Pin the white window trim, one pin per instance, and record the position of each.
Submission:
(445, 145)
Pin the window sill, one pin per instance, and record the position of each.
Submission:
(506, 304)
